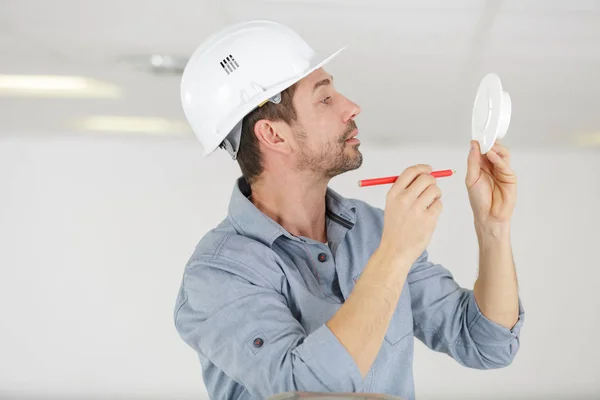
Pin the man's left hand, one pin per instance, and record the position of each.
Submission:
(491, 184)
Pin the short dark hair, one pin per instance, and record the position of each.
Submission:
(249, 157)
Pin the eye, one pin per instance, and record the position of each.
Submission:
(326, 100)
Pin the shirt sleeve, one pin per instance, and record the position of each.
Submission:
(447, 319)
(230, 314)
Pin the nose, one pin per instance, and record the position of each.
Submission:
(353, 110)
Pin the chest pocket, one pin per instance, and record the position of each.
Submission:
(401, 324)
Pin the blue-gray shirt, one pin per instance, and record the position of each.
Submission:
(254, 301)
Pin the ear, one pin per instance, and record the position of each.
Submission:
(273, 135)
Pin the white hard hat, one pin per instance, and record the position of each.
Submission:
(238, 69)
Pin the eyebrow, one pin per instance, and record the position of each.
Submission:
(324, 82)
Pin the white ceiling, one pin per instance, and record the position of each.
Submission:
(413, 65)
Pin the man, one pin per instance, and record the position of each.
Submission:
(301, 289)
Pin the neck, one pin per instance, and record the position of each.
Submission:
(297, 203)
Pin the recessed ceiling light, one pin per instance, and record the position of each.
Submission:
(588, 139)
(147, 125)
(159, 64)
(56, 86)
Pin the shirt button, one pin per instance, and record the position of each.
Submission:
(322, 257)
(258, 342)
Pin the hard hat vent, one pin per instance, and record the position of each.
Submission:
(229, 64)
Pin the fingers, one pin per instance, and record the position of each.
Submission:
(502, 151)
(473, 164)
(502, 171)
(416, 185)
(408, 176)
(500, 164)
(429, 196)
(436, 207)
(420, 184)
(498, 156)
(423, 190)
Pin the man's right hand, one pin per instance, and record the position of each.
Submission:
(411, 213)
(413, 206)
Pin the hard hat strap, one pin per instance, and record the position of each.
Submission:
(231, 143)
(275, 99)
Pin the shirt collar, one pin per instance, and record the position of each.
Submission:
(253, 223)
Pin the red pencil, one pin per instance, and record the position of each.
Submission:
(392, 179)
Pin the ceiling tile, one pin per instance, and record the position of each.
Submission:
(573, 26)
(396, 4)
(551, 6)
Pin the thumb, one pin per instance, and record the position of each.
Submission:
(473, 164)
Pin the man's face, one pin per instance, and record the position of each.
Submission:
(325, 127)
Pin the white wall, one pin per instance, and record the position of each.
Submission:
(95, 232)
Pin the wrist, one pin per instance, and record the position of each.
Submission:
(494, 231)
(394, 257)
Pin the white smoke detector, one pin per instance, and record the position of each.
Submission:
(491, 113)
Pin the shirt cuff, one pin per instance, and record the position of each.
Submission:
(483, 330)
(329, 360)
